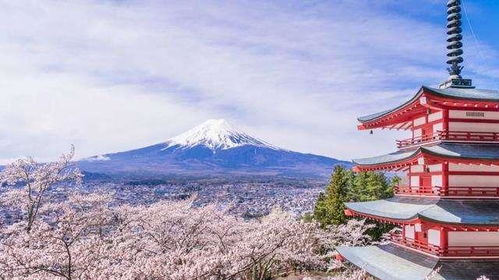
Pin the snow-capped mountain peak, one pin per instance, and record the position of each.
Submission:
(216, 134)
(214, 148)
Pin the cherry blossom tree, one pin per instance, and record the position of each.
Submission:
(90, 236)
(178, 241)
(85, 237)
(32, 181)
(72, 241)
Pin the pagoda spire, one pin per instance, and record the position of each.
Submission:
(454, 46)
(454, 39)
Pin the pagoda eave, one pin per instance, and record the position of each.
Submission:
(458, 153)
(438, 102)
(419, 220)
(428, 98)
(453, 214)
(395, 262)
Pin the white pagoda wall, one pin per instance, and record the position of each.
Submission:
(434, 237)
(435, 120)
(473, 126)
(473, 168)
(489, 178)
(409, 232)
(417, 132)
(436, 179)
(478, 115)
(462, 238)
(435, 116)
(438, 127)
(473, 180)
(459, 120)
(419, 121)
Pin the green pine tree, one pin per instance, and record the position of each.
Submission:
(330, 206)
(347, 186)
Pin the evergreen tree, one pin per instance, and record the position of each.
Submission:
(330, 206)
(367, 186)
(347, 186)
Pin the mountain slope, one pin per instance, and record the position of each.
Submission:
(213, 148)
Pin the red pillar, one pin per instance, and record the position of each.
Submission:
(445, 178)
(446, 119)
(444, 240)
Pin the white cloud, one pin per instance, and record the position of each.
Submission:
(109, 76)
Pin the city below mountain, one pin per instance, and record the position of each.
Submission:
(212, 149)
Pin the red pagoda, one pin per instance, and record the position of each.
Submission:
(447, 207)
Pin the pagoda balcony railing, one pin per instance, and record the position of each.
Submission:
(471, 251)
(416, 244)
(451, 251)
(471, 191)
(450, 191)
(451, 136)
(431, 191)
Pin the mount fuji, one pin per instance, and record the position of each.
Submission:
(213, 148)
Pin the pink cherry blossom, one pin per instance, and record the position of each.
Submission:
(89, 236)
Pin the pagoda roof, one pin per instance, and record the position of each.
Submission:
(447, 211)
(413, 106)
(393, 262)
(466, 93)
(460, 151)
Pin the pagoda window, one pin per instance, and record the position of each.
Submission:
(435, 116)
(434, 237)
(420, 121)
(418, 227)
(438, 127)
(417, 168)
(436, 180)
(417, 132)
(409, 232)
(435, 167)
(414, 181)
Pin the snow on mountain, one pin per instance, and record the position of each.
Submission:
(97, 158)
(216, 134)
(213, 148)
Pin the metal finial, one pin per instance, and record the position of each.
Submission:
(454, 47)
(454, 39)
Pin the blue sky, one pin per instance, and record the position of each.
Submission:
(115, 75)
